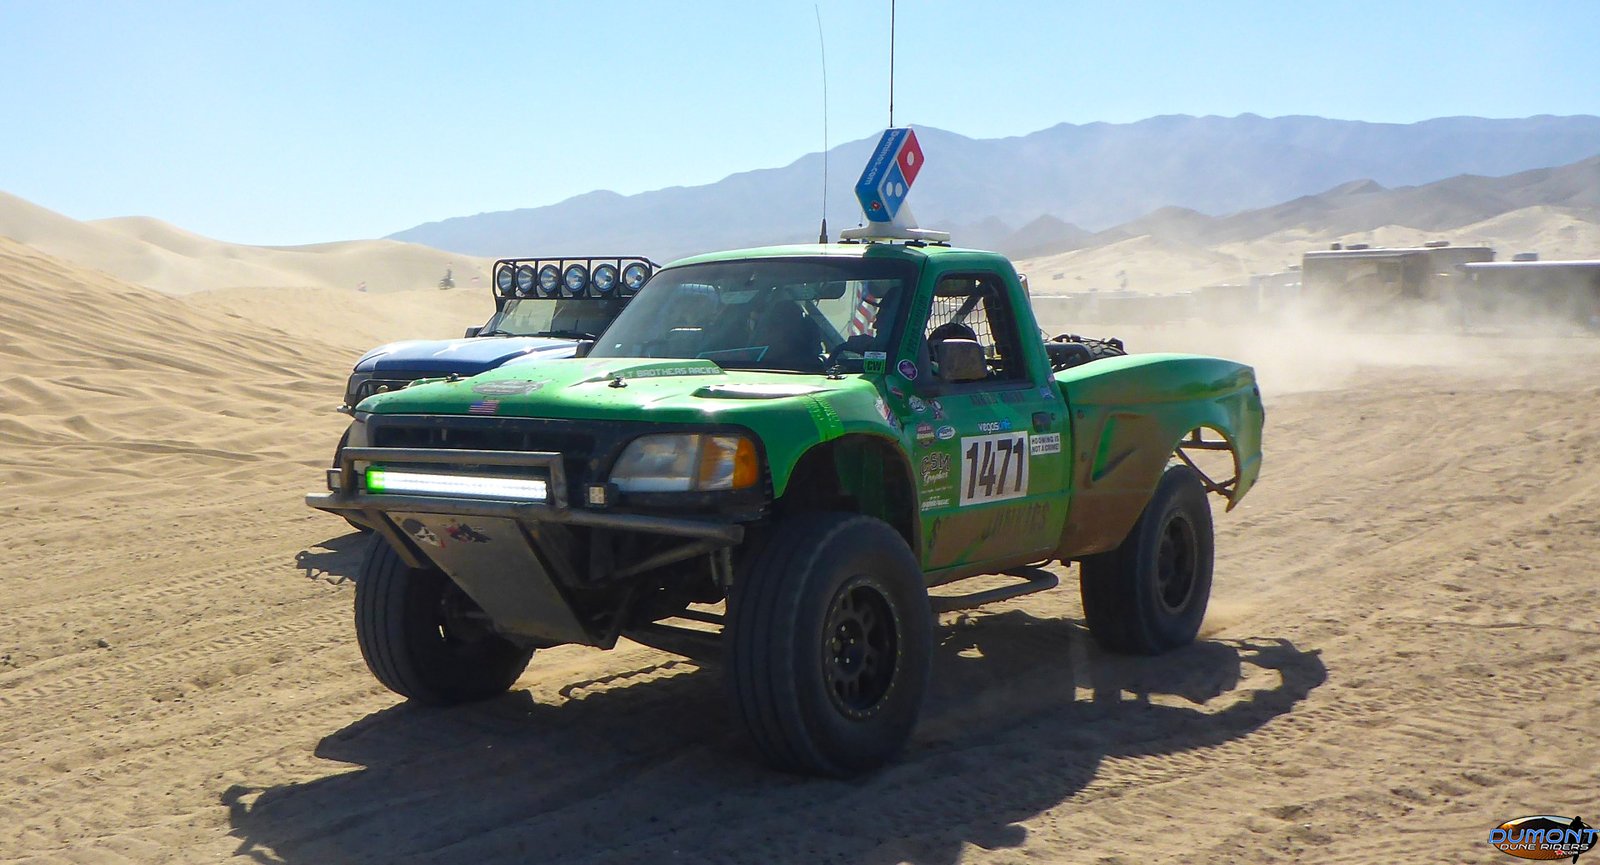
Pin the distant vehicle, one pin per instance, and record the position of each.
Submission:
(448, 280)
(1358, 282)
(544, 308)
(1526, 292)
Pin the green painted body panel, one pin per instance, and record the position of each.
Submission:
(1129, 414)
(1088, 436)
(669, 392)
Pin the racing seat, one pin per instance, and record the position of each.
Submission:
(794, 342)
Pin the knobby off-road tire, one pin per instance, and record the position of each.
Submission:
(1149, 595)
(829, 641)
(424, 639)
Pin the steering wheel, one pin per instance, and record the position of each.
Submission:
(854, 345)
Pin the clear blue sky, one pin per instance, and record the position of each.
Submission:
(289, 122)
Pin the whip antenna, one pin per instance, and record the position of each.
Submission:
(891, 64)
(822, 44)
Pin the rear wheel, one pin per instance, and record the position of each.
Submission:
(1149, 595)
(829, 642)
(424, 639)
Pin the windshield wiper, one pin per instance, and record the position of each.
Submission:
(567, 334)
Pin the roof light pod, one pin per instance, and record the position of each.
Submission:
(525, 281)
(634, 276)
(505, 280)
(549, 280)
(605, 278)
(574, 279)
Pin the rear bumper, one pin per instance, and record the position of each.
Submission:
(513, 558)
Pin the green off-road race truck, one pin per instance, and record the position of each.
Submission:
(816, 436)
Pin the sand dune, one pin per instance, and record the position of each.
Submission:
(1402, 634)
(159, 256)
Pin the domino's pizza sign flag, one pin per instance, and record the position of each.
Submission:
(883, 187)
(889, 174)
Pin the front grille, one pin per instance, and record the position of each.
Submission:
(492, 434)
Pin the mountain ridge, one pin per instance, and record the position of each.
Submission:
(1094, 176)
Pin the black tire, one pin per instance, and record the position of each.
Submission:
(829, 641)
(424, 639)
(1149, 595)
(337, 453)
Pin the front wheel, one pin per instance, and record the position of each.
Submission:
(1149, 595)
(829, 642)
(424, 639)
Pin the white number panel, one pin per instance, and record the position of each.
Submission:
(994, 467)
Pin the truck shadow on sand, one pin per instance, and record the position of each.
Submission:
(1024, 714)
(336, 559)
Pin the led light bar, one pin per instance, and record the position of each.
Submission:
(612, 277)
(464, 486)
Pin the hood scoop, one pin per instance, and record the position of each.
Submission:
(756, 391)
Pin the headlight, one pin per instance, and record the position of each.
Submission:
(525, 280)
(352, 388)
(686, 463)
(575, 277)
(605, 278)
(634, 275)
(549, 280)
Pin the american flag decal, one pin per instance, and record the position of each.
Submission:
(866, 313)
(484, 406)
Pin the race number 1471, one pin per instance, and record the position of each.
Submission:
(994, 467)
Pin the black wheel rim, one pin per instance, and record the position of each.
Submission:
(1176, 564)
(860, 648)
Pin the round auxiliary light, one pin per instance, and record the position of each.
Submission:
(504, 279)
(575, 278)
(525, 280)
(605, 278)
(634, 275)
(549, 280)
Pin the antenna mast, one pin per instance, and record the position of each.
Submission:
(823, 45)
(891, 64)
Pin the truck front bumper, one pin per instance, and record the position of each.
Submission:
(513, 558)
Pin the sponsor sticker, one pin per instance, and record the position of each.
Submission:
(1044, 443)
(1543, 836)
(924, 434)
(908, 370)
(946, 433)
(937, 502)
(507, 387)
(995, 425)
(993, 468)
(917, 405)
(660, 371)
(463, 533)
(938, 409)
(874, 361)
(935, 468)
(421, 533)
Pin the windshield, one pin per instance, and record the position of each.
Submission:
(787, 314)
(574, 318)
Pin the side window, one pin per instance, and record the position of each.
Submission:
(974, 307)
